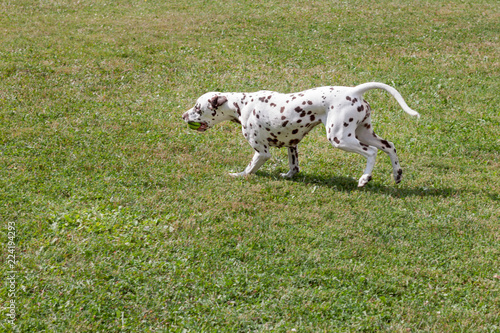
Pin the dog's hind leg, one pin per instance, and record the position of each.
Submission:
(343, 137)
(366, 135)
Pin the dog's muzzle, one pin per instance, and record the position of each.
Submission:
(200, 127)
(195, 125)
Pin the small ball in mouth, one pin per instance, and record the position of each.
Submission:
(194, 125)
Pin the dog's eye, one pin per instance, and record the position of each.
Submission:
(197, 109)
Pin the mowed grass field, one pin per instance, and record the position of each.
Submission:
(126, 220)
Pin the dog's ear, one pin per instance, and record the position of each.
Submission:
(217, 101)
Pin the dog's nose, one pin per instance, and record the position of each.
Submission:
(185, 116)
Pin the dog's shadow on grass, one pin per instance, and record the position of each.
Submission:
(347, 184)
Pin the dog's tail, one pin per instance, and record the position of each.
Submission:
(362, 88)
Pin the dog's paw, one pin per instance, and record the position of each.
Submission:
(289, 174)
(364, 180)
(398, 176)
(237, 174)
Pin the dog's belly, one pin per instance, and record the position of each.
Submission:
(282, 120)
(287, 138)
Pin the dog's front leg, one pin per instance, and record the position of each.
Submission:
(257, 161)
(293, 161)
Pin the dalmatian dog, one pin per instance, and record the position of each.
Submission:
(272, 119)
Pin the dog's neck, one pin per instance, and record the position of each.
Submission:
(232, 109)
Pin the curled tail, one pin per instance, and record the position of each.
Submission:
(362, 88)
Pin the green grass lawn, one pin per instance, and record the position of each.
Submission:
(126, 220)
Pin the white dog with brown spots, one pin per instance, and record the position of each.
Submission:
(272, 119)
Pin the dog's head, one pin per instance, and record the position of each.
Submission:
(208, 111)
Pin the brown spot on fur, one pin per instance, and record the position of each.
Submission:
(386, 143)
(237, 108)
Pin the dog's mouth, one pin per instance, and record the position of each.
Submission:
(200, 127)
(203, 127)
